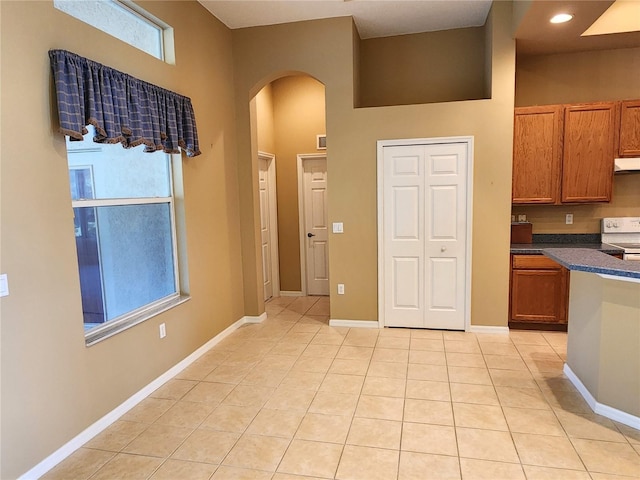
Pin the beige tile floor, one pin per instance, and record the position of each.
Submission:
(293, 398)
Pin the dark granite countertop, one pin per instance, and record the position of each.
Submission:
(593, 261)
(563, 240)
(537, 248)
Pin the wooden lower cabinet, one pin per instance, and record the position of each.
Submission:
(539, 293)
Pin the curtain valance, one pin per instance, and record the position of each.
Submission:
(123, 109)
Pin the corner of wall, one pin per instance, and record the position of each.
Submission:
(356, 66)
(520, 9)
(501, 47)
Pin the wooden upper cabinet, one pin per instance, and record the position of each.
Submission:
(629, 129)
(588, 153)
(537, 150)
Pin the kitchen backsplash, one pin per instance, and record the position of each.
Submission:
(567, 238)
(586, 218)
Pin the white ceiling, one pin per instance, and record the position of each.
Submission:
(384, 18)
(374, 18)
(535, 35)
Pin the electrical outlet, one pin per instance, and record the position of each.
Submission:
(569, 219)
(163, 330)
(513, 218)
(341, 289)
(522, 218)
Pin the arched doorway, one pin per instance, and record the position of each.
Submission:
(289, 124)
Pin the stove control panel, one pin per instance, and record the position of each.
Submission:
(621, 225)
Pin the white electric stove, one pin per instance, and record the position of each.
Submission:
(623, 232)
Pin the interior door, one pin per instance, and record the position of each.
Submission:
(424, 235)
(404, 241)
(446, 233)
(265, 225)
(314, 179)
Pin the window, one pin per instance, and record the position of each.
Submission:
(124, 20)
(124, 220)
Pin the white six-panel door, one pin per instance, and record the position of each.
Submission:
(424, 235)
(404, 235)
(316, 231)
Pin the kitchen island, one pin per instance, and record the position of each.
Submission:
(603, 340)
(539, 286)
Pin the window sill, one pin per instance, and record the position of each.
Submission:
(102, 333)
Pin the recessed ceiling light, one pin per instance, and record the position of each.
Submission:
(561, 18)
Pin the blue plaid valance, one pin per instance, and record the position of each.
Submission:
(122, 108)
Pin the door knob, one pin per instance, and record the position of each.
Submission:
(442, 249)
(310, 235)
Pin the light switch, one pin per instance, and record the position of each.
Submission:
(338, 227)
(4, 285)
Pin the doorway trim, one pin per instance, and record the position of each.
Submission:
(468, 140)
(301, 217)
(273, 220)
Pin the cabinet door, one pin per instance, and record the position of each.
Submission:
(629, 129)
(589, 150)
(539, 296)
(537, 141)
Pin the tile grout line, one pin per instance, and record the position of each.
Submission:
(453, 415)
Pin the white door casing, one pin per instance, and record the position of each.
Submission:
(314, 229)
(268, 224)
(424, 227)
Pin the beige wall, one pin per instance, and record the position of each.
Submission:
(422, 68)
(581, 77)
(601, 75)
(265, 127)
(53, 387)
(265, 53)
(586, 218)
(261, 55)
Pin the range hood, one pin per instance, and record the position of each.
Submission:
(622, 165)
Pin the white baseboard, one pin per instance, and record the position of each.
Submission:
(600, 408)
(83, 437)
(488, 329)
(285, 293)
(335, 322)
(259, 319)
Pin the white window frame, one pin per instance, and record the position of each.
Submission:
(127, 7)
(134, 317)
